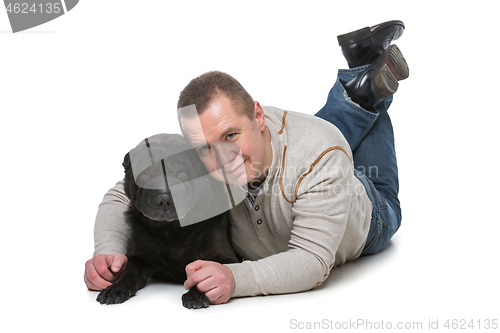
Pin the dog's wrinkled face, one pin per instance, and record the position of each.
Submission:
(158, 166)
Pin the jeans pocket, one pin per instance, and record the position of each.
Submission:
(378, 236)
(375, 197)
(383, 226)
(373, 236)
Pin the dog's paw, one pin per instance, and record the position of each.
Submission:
(114, 294)
(195, 299)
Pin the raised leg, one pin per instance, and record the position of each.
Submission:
(370, 135)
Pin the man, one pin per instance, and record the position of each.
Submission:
(320, 193)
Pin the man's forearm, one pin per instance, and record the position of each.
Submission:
(111, 232)
(287, 272)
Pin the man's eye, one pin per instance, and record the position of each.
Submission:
(203, 149)
(230, 136)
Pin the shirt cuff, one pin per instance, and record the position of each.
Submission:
(245, 278)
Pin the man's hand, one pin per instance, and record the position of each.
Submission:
(102, 270)
(211, 278)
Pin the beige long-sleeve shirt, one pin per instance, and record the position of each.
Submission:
(312, 213)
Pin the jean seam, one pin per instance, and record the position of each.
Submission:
(379, 203)
(353, 70)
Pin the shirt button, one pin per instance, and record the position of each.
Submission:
(259, 221)
(257, 207)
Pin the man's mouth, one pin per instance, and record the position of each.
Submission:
(238, 168)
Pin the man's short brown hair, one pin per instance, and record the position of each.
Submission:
(202, 90)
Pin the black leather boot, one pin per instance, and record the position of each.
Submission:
(362, 47)
(380, 80)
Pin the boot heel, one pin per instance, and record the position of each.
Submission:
(399, 63)
(391, 82)
(385, 83)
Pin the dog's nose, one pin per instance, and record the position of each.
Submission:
(164, 200)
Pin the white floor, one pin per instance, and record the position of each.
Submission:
(402, 285)
(415, 282)
(78, 92)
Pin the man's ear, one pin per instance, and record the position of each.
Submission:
(259, 115)
(126, 162)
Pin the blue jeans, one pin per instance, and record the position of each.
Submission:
(371, 138)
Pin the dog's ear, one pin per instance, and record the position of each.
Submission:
(126, 162)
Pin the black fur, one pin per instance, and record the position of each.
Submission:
(159, 247)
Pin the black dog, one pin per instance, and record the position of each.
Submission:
(159, 246)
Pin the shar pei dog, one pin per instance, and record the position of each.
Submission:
(177, 215)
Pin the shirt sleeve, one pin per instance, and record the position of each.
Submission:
(111, 232)
(320, 213)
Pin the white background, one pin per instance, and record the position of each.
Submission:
(78, 92)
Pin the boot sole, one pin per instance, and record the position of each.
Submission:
(394, 68)
(397, 63)
(364, 33)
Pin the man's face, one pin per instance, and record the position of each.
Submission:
(225, 138)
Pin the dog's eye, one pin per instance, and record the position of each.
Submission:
(178, 170)
(175, 168)
(143, 177)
